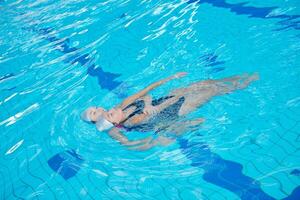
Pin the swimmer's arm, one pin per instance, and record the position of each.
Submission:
(160, 141)
(152, 110)
(177, 129)
(143, 92)
(193, 122)
(117, 135)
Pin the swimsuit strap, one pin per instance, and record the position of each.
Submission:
(156, 102)
(140, 105)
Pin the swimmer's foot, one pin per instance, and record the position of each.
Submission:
(248, 79)
(230, 84)
(253, 77)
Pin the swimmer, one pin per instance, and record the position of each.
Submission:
(140, 112)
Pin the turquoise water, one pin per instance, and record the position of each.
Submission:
(57, 58)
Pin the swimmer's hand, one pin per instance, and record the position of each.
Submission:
(131, 144)
(179, 75)
(176, 76)
(150, 110)
(160, 141)
(153, 110)
(164, 141)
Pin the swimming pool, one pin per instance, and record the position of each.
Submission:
(57, 58)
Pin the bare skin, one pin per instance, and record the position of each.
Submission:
(195, 94)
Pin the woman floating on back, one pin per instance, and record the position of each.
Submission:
(140, 112)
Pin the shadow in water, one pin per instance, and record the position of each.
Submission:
(225, 173)
(105, 79)
(288, 21)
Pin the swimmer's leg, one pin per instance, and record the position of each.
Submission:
(227, 85)
(198, 93)
(224, 85)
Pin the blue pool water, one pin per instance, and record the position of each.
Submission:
(57, 58)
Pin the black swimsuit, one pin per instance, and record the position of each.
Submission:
(168, 114)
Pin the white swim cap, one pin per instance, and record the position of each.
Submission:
(102, 124)
(84, 115)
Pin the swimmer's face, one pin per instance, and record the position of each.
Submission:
(94, 113)
(113, 115)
